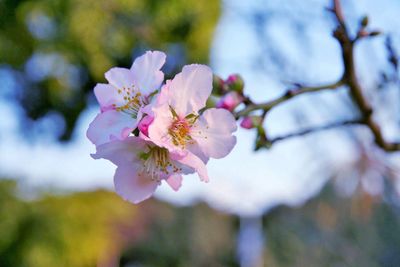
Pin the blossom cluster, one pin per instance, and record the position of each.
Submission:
(155, 131)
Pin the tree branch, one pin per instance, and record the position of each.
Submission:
(266, 106)
(316, 129)
(349, 80)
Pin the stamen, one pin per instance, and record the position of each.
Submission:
(133, 99)
(157, 163)
(180, 129)
(180, 132)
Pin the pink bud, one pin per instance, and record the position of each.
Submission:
(235, 83)
(230, 101)
(232, 78)
(144, 125)
(250, 122)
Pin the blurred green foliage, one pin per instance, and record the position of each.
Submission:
(59, 49)
(75, 230)
(100, 229)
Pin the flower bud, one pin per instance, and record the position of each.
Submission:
(212, 101)
(375, 33)
(235, 83)
(144, 125)
(364, 21)
(230, 101)
(218, 85)
(250, 122)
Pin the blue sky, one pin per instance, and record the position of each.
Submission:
(245, 182)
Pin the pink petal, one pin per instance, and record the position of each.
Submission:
(120, 77)
(213, 132)
(195, 149)
(110, 125)
(133, 186)
(147, 109)
(107, 95)
(158, 129)
(189, 90)
(163, 96)
(146, 71)
(144, 124)
(175, 181)
(196, 163)
(121, 151)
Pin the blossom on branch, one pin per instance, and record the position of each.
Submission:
(156, 135)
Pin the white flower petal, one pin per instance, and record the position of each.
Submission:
(107, 96)
(132, 185)
(196, 149)
(158, 129)
(110, 125)
(189, 90)
(120, 78)
(213, 132)
(197, 164)
(121, 151)
(175, 181)
(146, 71)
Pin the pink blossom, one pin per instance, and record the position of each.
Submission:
(230, 101)
(177, 124)
(142, 166)
(123, 98)
(175, 138)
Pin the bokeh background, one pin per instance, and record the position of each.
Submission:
(326, 199)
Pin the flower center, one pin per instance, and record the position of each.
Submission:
(157, 164)
(133, 101)
(179, 131)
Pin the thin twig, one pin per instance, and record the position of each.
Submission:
(350, 79)
(266, 106)
(316, 129)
